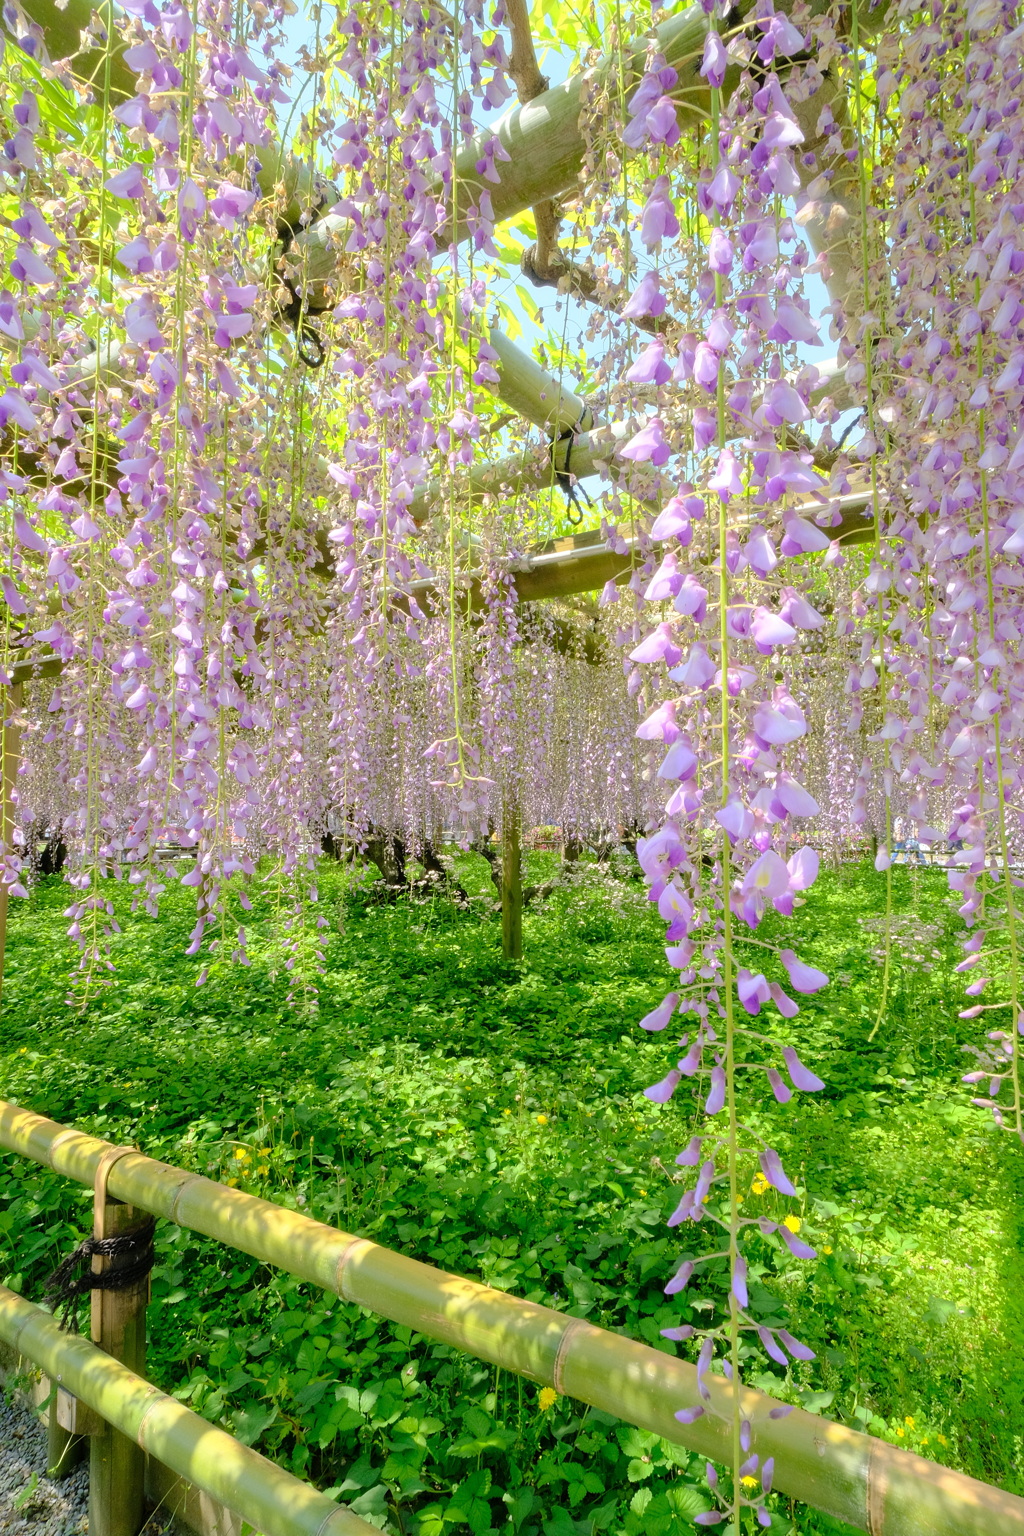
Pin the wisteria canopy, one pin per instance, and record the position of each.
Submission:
(291, 462)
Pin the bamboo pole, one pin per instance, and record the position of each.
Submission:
(117, 1468)
(542, 138)
(511, 876)
(869, 1484)
(583, 563)
(528, 390)
(267, 1497)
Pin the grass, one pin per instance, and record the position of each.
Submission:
(489, 1118)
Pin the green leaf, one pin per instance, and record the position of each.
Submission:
(476, 1421)
(521, 1506)
(686, 1500)
(25, 1497)
(939, 1311)
(250, 1423)
(372, 1505)
(640, 1500)
(560, 1523)
(432, 1521)
(498, 1440)
(634, 1442)
(360, 1475)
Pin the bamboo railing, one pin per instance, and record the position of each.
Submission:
(851, 1476)
(268, 1498)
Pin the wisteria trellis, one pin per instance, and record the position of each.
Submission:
(253, 631)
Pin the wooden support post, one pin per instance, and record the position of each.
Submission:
(511, 878)
(65, 1446)
(10, 700)
(117, 1464)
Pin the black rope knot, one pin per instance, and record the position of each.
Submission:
(563, 476)
(309, 343)
(308, 340)
(74, 1278)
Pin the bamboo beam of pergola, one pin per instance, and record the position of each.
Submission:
(546, 402)
(567, 567)
(543, 140)
(585, 562)
(547, 148)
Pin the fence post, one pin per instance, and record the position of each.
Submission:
(10, 700)
(116, 1464)
(64, 1447)
(511, 878)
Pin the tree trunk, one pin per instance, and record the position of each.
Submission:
(10, 700)
(511, 879)
(572, 845)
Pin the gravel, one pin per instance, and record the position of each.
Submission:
(52, 1508)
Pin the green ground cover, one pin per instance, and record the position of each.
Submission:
(488, 1118)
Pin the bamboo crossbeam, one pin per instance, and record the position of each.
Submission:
(531, 392)
(271, 1500)
(586, 561)
(534, 469)
(543, 140)
(866, 1482)
(565, 568)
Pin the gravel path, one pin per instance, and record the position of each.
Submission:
(53, 1508)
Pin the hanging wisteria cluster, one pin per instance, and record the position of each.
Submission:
(254, 594)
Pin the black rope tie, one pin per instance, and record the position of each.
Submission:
(308, 340)
(74, 1278)
(309, 343)
(573, 489)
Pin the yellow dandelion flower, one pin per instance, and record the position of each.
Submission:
(759, 1185)
(548, 1398)
(900, 1432)
(942, 1439)
(748, 1481)
(643, 1191)
(506, 1111)
(542, 1119)
(230, 1183)
(263, 1170)
(908, 1421)
(792, 1223)
(826, 1248)
(241, 1154)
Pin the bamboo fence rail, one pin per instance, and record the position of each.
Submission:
(851, 1476)
(268, 1498)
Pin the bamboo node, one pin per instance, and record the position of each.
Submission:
(346, 1254)
(574, 1326)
